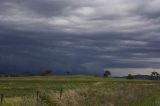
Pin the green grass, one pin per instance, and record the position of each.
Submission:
(27, 86)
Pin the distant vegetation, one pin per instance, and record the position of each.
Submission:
(130, 76)
(41, 73)
(46, 73)
(107, 73)
(68, 73)
(153, 76)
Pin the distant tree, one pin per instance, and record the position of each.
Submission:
(107, 73)
(27, 73)
(130, 76)
(68, 73)
(6, 75)
(13, 75)
(155, 75)
(46, 72)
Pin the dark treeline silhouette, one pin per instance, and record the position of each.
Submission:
(46, 73)
(68, 73)
(153, 76)
(10, 75)
(27, 73)
(130, 76)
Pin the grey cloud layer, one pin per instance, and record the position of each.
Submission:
(80, 35)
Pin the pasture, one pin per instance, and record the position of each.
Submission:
(78, 91)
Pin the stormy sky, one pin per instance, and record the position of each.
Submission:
(81, 36)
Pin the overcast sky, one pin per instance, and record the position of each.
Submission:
(82, 36)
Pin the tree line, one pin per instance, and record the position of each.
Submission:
(153, 76)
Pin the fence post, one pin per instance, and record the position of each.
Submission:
(37, 95)
(2, 97)
(61, 91)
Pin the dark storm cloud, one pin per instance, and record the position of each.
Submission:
(82, 36)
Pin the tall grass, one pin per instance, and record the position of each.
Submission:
(123, 95)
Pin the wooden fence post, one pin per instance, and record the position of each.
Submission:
(61, 91)
(2, 97)
(37, 95)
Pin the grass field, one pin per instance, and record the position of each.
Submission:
(78, 91)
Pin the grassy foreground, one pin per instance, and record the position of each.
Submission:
(78, 91)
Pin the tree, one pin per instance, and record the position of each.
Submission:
(107, 73)
(46, 72)
(155, 75)
(130, 76)
(68, 73)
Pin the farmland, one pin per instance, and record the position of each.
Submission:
(84, 90)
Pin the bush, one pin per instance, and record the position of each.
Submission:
(130, 76)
